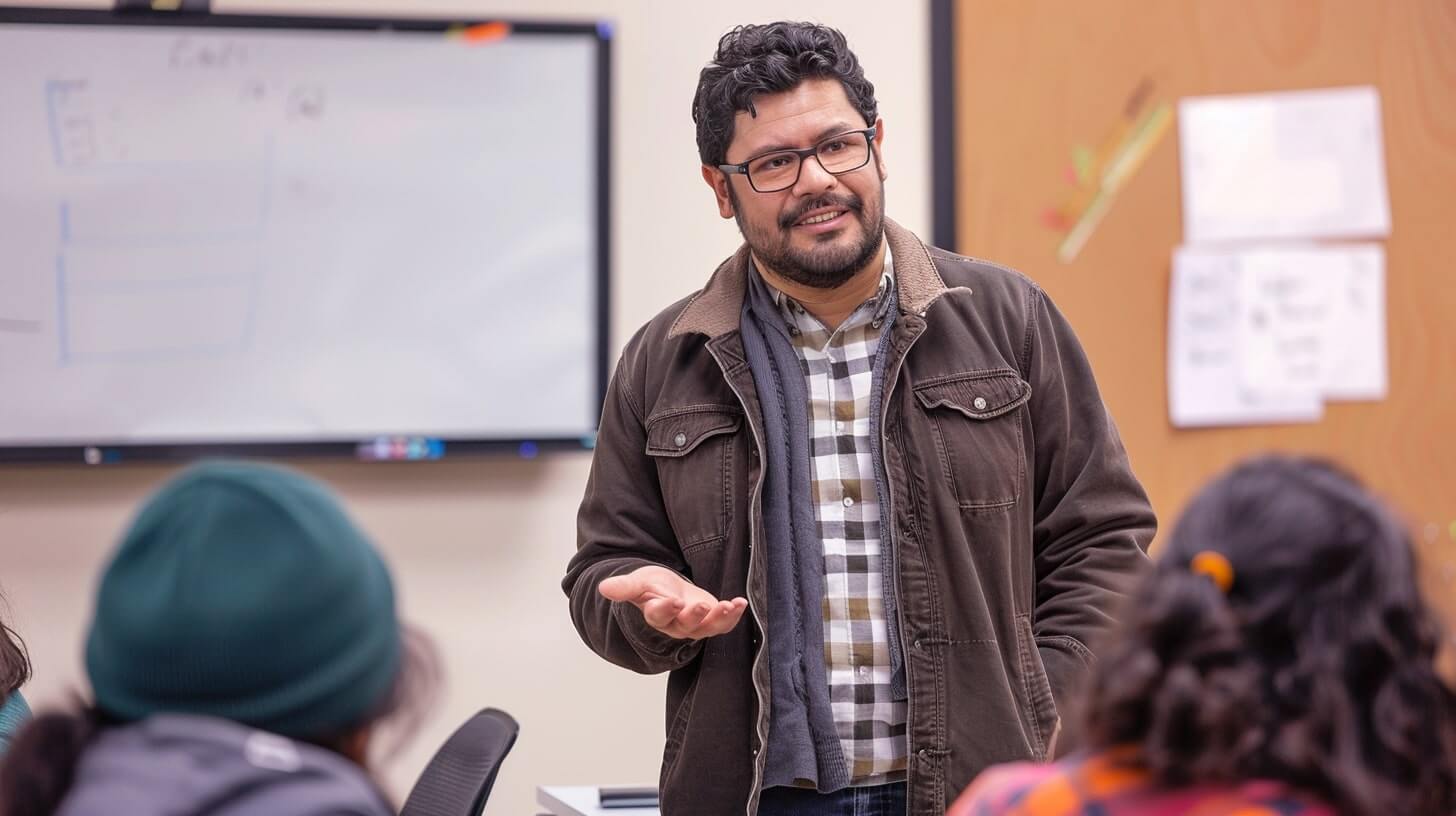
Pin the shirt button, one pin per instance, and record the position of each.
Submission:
(863, 671)
(848, 502)
(980, 403)
(680, 440)
(838, 426)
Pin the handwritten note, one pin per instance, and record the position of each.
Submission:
(1265, 336)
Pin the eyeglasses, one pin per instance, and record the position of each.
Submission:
(779, 170)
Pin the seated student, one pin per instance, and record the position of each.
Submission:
(14, 671)
(1278, 661)
(243, 646)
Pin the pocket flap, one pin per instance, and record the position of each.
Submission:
(678, 432)
(978, 395)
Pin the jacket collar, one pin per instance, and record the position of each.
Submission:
(718, 307)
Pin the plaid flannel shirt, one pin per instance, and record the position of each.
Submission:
(837, 367)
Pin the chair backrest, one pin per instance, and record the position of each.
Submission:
(460, 775)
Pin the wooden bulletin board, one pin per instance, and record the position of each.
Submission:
(1033, 78)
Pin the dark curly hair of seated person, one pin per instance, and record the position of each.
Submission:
(1307, 655)
(14, 660)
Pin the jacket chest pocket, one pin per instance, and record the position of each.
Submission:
(977, 430)
(693, 450)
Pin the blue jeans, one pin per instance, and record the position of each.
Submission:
(878, 800)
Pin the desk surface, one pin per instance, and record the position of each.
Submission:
(582, 800)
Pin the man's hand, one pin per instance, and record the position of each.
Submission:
(672, 604)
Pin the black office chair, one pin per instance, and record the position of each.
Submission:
(460, 775)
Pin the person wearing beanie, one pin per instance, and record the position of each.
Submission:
(243, 642)
(14, 671)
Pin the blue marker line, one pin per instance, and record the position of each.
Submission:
(51, 87)
(62, 326)
(136, 287)
(167, 239)
(154, 355)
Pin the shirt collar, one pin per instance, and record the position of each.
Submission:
(788, 307)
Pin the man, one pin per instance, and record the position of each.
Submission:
(860, 496)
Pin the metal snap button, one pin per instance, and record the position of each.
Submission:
(980, 403)
(680, 440)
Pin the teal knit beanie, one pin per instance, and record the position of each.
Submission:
(243, 591)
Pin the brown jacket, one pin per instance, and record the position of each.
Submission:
(1019, 523)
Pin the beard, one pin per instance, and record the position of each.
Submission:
(830, 262)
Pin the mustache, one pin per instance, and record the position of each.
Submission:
(850, 202)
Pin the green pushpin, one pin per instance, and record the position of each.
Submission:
(1082, 161)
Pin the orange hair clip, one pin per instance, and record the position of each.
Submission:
(1216, 567)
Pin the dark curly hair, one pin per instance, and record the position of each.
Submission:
(14, 661)
(767, 59)
(1316, 668)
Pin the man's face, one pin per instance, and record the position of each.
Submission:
(776, 225)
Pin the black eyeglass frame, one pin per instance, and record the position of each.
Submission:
(804, 153)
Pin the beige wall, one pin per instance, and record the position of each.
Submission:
(478, 546)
